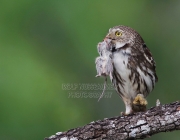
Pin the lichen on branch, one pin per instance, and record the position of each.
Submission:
(161, 118)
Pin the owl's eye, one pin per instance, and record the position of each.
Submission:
(118, 33)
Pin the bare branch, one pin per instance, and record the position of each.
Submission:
(161, 118)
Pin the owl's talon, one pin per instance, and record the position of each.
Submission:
(139, 100)
(122, 113)
(126, 114)
(139, 103)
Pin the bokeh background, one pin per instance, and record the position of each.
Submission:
(47, 54)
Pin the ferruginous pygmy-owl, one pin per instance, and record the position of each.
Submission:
(126, 59)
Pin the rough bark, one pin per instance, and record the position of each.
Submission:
(161, 118)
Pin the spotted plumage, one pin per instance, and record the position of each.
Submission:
(133, 73)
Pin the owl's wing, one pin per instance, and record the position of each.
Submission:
(150, 60)
(141, 57)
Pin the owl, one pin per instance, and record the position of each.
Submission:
(129, 64)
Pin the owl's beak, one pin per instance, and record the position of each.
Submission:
(110, 46)
(107, 39)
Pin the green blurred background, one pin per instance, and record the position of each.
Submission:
(46, 44)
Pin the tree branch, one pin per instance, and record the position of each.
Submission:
(161, 118)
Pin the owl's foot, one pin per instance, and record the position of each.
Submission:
(140, 100)
(129, 111)
(139, 103)
(126, 114)
(122, 113)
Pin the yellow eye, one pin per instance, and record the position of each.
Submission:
(118, 33)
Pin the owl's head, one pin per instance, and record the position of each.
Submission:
(121, 36)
